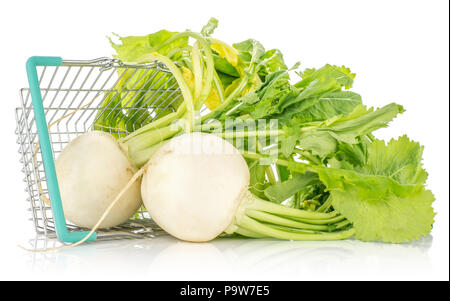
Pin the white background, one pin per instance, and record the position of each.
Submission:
(398, 49)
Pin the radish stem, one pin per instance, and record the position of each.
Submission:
(252, 202)
(260, 228)
(151, 138)
(248, 233)
(185, 91)
(162, 122)
(269, 218)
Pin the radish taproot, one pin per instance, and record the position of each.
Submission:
(92, 170)
(195, 187)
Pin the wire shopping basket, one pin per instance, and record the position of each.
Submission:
(65, 98)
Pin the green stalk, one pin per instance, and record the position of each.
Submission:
(197, 69)
(219, 86)
(248, 233)
(252, 202)
(328, 221)
(208, 59)
(342, 224)
(295, 230)
(185, 91)
(232, 95)
(293, 165)
(213, 126)
(325, 206)
(308, 156)
(277, 220)
(256, 217)
(139, 158)
(151, 138)
(270, 174)
(162, 122)
(260, 228)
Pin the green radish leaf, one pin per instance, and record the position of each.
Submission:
(325, 138)
(250, 51)
(271, 61)
(134, 47)
(385, 199)
(342, 75)
(223, 66)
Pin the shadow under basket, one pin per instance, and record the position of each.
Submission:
(66, 98)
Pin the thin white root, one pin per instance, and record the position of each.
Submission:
(136, 176)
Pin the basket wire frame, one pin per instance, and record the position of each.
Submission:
(71, 95)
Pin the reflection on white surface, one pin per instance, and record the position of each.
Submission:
(166, 258)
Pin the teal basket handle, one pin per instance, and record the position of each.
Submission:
(47, 155)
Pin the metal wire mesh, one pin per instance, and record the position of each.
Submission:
(75, 96)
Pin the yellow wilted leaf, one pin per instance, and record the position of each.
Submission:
(213, 99)
(225, 51)
(188, 77)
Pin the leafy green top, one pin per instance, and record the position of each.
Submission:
(327, 158)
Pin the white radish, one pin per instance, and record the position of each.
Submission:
(195, 187)
(92, 170)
